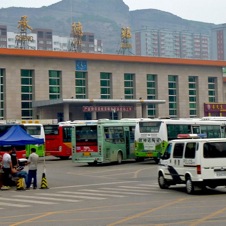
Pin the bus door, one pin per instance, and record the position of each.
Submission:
(127, 141)
(196, 129)
(223, 133)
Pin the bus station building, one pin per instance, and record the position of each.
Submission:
(38, 84)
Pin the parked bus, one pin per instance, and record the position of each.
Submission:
(104, 141)
(58, 140)
(35, 130)
(151, 137)
(20, 149)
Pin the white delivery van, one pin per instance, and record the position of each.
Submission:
(194, 162)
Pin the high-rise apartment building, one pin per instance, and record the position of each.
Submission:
(3, 36)
(173, 44)
(43, 39)
(218, 36)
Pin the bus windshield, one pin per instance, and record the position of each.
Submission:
(86, 133)
(51, 129)
(33, 130)
(149, 127)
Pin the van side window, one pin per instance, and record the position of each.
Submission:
(178, 150)
(190, 150)
(215, 150)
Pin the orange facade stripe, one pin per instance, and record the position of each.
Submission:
(108, 57)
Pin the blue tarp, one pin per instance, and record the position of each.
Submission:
(18, 136)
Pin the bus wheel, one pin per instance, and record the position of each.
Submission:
(119, 158)
(139, 159)
(92, 163)
(64, 157)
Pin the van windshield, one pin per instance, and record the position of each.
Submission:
(215, 150)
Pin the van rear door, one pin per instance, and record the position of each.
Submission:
(214, 160)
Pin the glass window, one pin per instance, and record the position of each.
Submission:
(105, 85)
(26, 93)
(80, 85)
(151, 94)
(54, 84)
(2, 73)
(178, 150)
(114, 134)
(33, 130)
(67, 134)
(215, 150)
(212, 89)
(173, 130)
(190, 150)
(149, 127)
(172, 92)
(51, 129)
(128, 86)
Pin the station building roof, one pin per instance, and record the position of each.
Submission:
(109, 57)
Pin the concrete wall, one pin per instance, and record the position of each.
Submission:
(41, 66)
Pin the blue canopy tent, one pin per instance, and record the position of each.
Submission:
(18, 136)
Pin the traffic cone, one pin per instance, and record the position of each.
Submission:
(44, 184)
(20, 184)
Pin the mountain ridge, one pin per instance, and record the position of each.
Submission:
(102, 17)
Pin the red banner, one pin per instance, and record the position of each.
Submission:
(107, 108)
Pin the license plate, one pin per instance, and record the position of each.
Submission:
(221, 173)
(149, 154)
(86, 154)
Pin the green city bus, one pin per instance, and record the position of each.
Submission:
(153, 135)
(35, 130)
(104, 141)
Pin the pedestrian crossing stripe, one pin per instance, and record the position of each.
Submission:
(73, 196)
(140, 189)
(12, 204)
(100, 193)
(118, 191)
(27, 201)
(94, 193)
(46, 198)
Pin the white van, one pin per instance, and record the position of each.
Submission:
(194, 162)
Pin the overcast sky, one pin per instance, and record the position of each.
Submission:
(212, 11)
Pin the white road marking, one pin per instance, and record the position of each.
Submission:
(72, 196)
(87, 185)
(46, 198)
(112, 190)
(12, 204)
(28, 201)
(140, 189)
(90, 193)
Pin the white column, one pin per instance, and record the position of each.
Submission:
(66, 112)
(144, 111)
(94, 115)
(119, 115)
(138, 110)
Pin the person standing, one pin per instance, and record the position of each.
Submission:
(6, 167)
(14, 157)
(32, 171)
